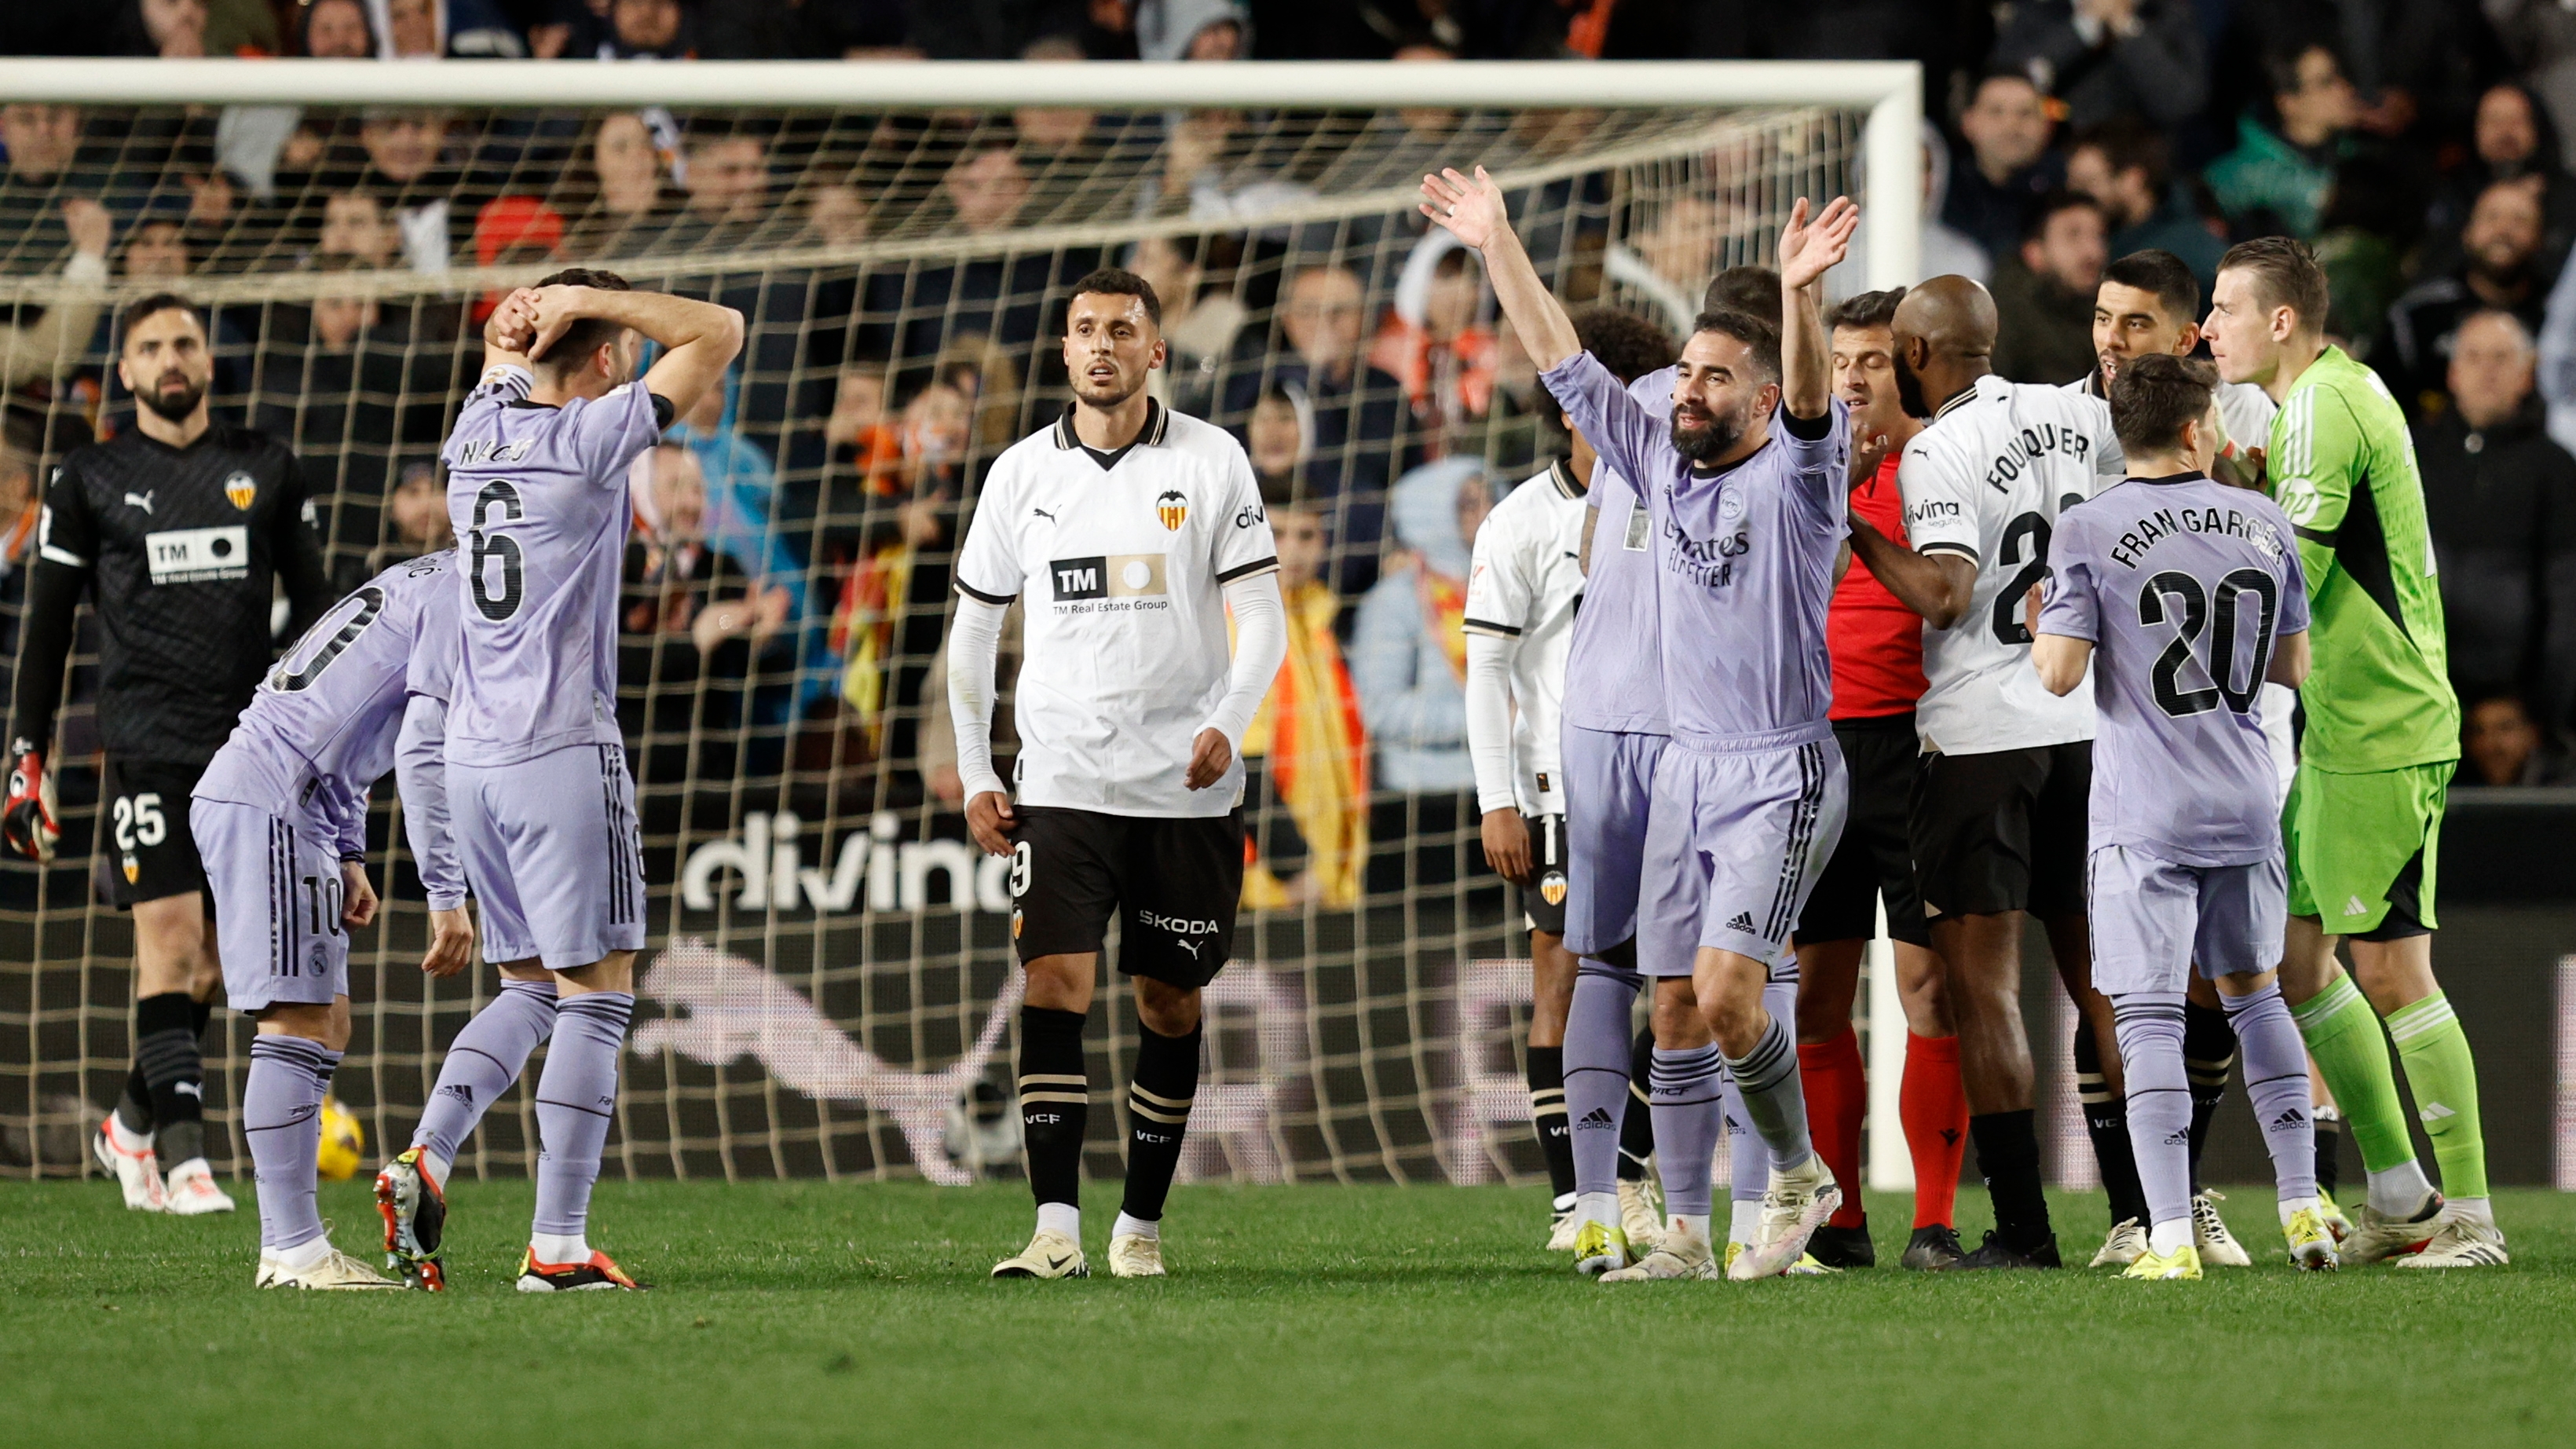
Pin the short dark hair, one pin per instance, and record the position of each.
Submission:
(2130, 144)
(1625, 343)
(1119, 282)
(2153, 396)
(1759, 336)
(2035, 220)
(2285, 274)
(590, 333)
(1753, 291)
(1866, 309)
(2281, 64)
(146, 308)
(2161, 272)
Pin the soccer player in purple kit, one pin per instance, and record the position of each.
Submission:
(280, 820)
(537, 783)
(1748, 797)
(2184, 596)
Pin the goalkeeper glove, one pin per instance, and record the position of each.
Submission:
(27, 822)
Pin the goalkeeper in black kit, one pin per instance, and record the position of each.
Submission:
(180, 532)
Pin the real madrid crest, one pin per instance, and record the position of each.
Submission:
(242, 489)
(1173, 509)
(1730, 504)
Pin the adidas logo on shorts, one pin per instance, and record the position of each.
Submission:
(1743, 922)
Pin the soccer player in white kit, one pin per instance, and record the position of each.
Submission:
(1999, 810)
(280, 819)
(1522, 588)
(543, 806)
(1129, 534)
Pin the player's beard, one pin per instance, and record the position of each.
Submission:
(1909, 390)
(173, 407)
(1705, 443)
(1104, 399)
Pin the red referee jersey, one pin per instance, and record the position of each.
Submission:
(1876, 642)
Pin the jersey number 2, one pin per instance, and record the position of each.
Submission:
(2198, 615)
(486, 547)
(2026, 543)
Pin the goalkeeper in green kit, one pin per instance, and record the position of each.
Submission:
(2363, 826)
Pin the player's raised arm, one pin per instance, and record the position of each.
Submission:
(699, 339)
(1809, 249)
(1474, 212)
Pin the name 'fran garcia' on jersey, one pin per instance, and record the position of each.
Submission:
(2031, 443)
(2149, 529)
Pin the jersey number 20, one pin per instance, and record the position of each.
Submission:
(2217, 618)
(292, 675)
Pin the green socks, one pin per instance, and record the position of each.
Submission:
(2351, 1052)
(2444, 1078)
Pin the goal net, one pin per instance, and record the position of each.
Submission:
(829, 987)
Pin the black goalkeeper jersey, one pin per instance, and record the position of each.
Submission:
(181, 549)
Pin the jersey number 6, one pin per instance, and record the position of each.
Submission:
(486, 547)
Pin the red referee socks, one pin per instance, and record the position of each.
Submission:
(1837, 1100)
(1933, 1105)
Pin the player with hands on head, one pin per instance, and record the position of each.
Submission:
(542, 805)
(1129, 533)
(181, 532)
(1746, 485)
(281, 815)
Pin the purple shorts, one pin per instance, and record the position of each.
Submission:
(1609, 780)
(295, 949)
(552, 854)
(1734, 842)
(2153, 921)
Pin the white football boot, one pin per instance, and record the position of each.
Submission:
(2127, 1244)
(190, 1191)
(1682, 1253)
(333, 1270)
(2218, 1247)
(2460, 1241)
(1797, 1203)
(2378, 1236)
(1641, 1214)
(136, 1170)
(1050, 1254)
(1133, 1255)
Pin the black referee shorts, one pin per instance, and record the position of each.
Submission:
(1173, 884)
(144, 851)
(2003, 831)
(1875, 857)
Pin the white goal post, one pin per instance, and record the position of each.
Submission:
(1890, 91)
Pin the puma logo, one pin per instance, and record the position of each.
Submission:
(142, 500)
(1042, 513)
(1190, 946)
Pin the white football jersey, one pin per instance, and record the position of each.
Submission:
(1526, 580)
(1122, 570)
(1986, 481)
(2244, 410)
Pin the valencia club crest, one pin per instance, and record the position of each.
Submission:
(1173, 509)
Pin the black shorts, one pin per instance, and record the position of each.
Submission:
(1173, 883)
(2003, 831)
(1543, 899)
(144, 851)
(1875, 857)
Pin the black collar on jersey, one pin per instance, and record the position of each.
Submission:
(1966, 395)
(1157, 423)
(2195, 476)
(1561, 473)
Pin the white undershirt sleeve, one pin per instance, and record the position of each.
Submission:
(1260, 647)
(974, 647)
(1489, 718)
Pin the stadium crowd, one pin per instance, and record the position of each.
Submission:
(788, 600)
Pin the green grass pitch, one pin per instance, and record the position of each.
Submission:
(822, 1313)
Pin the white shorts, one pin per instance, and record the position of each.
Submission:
(1734, 841)
(278, 895)
(2153, 920)
(552, 854)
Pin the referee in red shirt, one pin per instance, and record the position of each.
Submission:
(1877, 647)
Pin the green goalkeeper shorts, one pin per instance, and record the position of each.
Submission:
(2361, 848)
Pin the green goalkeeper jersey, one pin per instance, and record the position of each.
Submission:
(2342, 465)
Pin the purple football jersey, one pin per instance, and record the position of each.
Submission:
(1614, 670)
(539, 499)
(2182, 584)
(1743, 560)
(321, 729)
